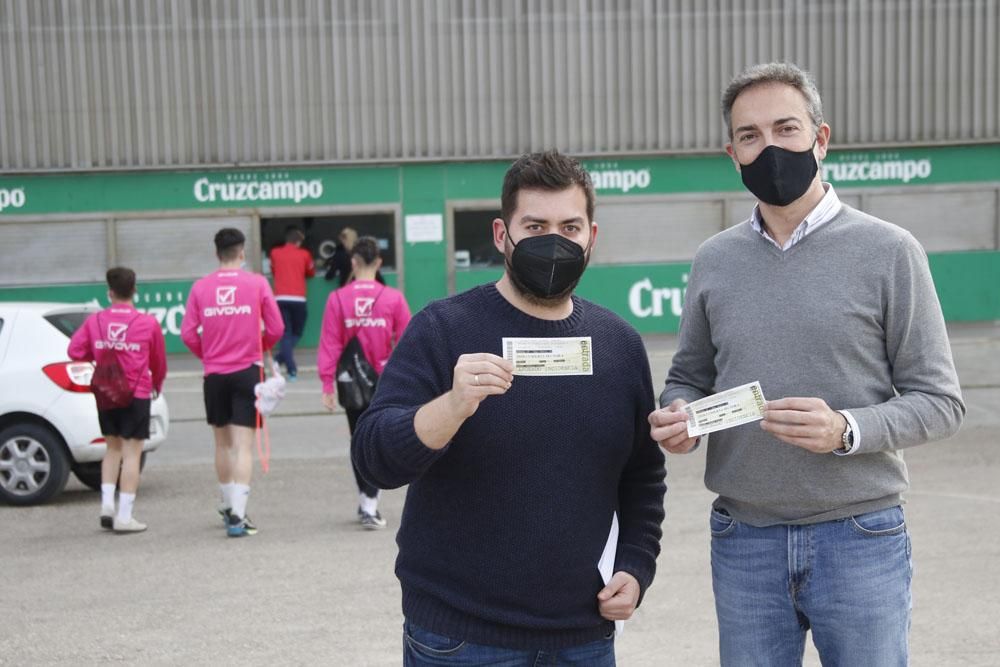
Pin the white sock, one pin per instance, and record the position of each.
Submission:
(125, 503)
(226, 492)
(240, 495)
(368, 505)
(107, 499)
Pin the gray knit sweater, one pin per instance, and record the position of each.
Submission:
(849, 314)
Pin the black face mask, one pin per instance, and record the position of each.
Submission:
(779, 176)
(547, 266)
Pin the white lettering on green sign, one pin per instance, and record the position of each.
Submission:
(168, 317)
(206, 190)
(644, 300)
(877, 170)
(621, 180)
(11, 198)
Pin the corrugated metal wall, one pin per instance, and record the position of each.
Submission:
(164, 83)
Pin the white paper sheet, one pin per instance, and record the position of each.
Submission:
(606, 565)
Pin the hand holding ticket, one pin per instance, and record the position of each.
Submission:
(739, 405)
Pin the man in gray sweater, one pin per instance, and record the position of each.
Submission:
(834, 312)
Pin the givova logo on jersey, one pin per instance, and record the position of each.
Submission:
(116, 339)
(225, 303)
(363, 314)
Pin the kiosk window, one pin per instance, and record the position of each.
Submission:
(474, 247)
(322, 232)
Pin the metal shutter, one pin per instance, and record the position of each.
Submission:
(654, 231)
(942, 221)
(46, 253)
(174, 248)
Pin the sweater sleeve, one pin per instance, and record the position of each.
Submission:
(641, 489)
(157, 356)
(385, 447)
(274, 326)
(400, 319)
(80, 347)
(331, 342)
(190, 324)
(928, 405)
(692, 371)
(310, 265)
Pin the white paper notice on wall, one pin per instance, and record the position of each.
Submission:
(428, 228)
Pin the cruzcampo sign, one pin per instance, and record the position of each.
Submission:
(165, 191)
(264, 188)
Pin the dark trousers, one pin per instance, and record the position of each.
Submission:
(294, 315)
(363, 486)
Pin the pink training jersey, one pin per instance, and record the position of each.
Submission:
(227, 306)
(376, 313)
(135, 338)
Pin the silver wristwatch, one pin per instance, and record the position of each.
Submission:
(847, 439)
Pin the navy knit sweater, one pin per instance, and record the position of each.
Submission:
(503, 528)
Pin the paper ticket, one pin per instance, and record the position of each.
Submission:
(739, 405)
(549, 356)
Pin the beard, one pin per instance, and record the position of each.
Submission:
(544, 301)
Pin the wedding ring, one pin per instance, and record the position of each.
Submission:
(477, 380)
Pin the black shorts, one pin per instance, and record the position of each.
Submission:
(130, 422)
(229, 397)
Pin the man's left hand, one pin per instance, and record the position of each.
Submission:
(618, 599)
(808, 423)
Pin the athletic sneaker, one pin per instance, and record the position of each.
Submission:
(130, 526)
(107, 521)
(240, 527)
(224, 512)
(372, 521)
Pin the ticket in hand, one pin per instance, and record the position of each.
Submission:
(739, 405)
(549, 356)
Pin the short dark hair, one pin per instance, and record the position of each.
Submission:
(228, 243)
(121, 282)
(293, 234)
(550, 171)
(366, 250)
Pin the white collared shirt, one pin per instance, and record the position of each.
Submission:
(827, 208)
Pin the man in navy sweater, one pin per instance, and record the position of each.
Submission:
(517, 478)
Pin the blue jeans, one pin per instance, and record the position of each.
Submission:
(847, 580)
(422, 648)
(293, 313)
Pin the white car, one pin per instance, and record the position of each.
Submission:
(48, 417)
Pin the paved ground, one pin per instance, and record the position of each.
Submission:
(313, 588)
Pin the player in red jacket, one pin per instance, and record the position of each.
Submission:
(291, 264)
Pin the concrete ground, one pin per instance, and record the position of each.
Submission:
(312, 588)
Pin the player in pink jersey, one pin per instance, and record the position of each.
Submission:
(137, 343)
(377, 315)
(222, 327)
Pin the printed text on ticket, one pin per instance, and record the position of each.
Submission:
(549, 356)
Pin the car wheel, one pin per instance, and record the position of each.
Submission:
(90, 473)
(33, 464)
